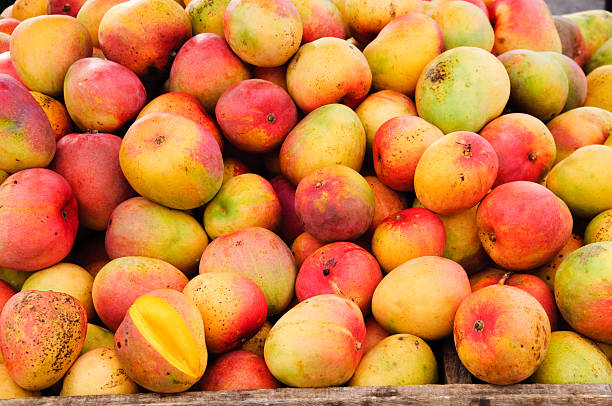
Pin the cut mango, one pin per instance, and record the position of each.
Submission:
(164, 328)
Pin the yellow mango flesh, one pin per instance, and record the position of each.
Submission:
(164, 328)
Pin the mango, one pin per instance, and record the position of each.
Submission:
(464, 24)
(263, 32)
(238, 370)
(65, 278)
(331, 134)
(603, 56)
(455, 172)
(386, 201)
(261, 256)
(232, 306)
(584, 180)
(334, 203)
(98, 372)
(124, 279)
(320, 18)
(540, 85)
(451, 97)
(573, 359)
(510, 325)
(13, 277)
(401, 50)
(41, 335)
(548, 271)
(134, 230)
(56, 113)
(24, 9)
(582, 286)
(160, 343)
(9, 389)
(599, 228)
(328, 70)
(90, 14)
(156, 28)
(406, 302)
(44, 47)
(256, 343)
(374, 334)
(317, 343)
(206, 15)
(27, 139)
(596, 28)
(523, 24)
(598, 88)
(97, 337)
(572, 41)
(153, 152)
(400, 359)
(304, 245)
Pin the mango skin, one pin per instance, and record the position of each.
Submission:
(25, 133)
(374, 334)
(455, 172)
(573, 359)
(578, 128)
(205, 67)
(582, 287)
(584, 180)
(238, 370)
(334, 203)
(572, 41)
(366, 18)
(133, 230)
(124, 279)
(91, 14)
(44, 47)
(232, 306)
(548, 271)
(400, 359)
(98, 372)
(596, 28)
(380, 107)
(599, 228)
(206, 15)
(304, 245)
(404, 301)
(576, 79)
(260, 255)
(38, 219)
(320, 18)
(97, 337)
(540, 86)
(56, 113)
(102, 95)
(501, 334)
(24, 9)
(152, 153)
(9, 389)
(331, 334)
(331, 134)
(37, 350)
(386, 201)
(598, 88)
(156, 28)
(263, 33)
(401, 50)
(449, 96)
(147, 367)
(523, 24)
(326, 71)
(100, 188)
(463, 24)
(603, 56)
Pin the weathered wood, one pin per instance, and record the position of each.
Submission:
(552, 395)
(454, 371)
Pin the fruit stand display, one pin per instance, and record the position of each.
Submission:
(289, 202)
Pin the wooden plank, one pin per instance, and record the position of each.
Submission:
(454, 371)
(553, 395)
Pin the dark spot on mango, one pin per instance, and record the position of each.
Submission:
(479, 325)
(119, 344)
(532, 156)
(66, 8)
(318, 185)
(438, 73)
(160, 139)
(64, 214)
(326, 271)
(492, 237)
(271, 118)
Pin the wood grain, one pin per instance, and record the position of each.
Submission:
(454, 371)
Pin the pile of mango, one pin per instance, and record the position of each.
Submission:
(248, 194)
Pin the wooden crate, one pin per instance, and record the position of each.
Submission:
(458, 389)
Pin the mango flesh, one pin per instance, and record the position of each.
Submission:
(66, 278)
(464, 24)
(404, 301)
(400, 359)
(455, 172)
(582, 291)
(317, 343)
(134, 231)
(540, 86)
(164, 328)
(598, 88)
(98, 372)
(328, 70)
(27, 139)
(573, 359)
(584, 180)
(380, 107)
(263, 32)
(523, 24)
(501, 334)
(331, 134)
(579, 127)
(37, 350)
(260, 255)
(401, 50)
(452, 98)
(97, 337)
(44, 47)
